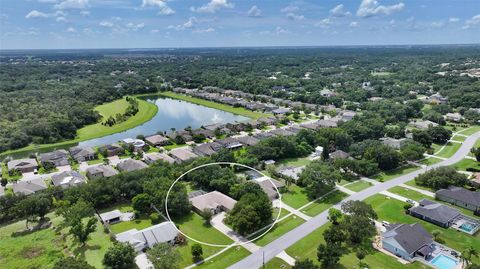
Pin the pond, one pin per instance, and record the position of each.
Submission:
(172, 113)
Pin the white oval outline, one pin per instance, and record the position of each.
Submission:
(235, 242)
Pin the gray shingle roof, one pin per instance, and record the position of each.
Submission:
(462, 195)
(131, 165)
(411, 237)
(22, 164)
(160, 233)
(68, 178)
(106, 170)
(29, 186)
(435, 211)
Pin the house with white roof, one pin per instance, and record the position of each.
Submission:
(164, 232)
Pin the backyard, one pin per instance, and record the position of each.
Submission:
(388, 175)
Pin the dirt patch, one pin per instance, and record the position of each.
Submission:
(32, 252)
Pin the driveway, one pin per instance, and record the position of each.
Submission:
(268, 252)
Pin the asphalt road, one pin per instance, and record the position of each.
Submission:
(268, 252)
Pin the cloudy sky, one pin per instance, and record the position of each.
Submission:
(224, 23)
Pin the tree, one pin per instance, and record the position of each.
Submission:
(329, 255)
(467, 255)
(335, 235)
(357, 221)
(442, 178)
(72, 213)
(197, 252)
(305, 264)
(3, 182)
(252, 212)
(439, 134)
(422, 137)
(141, 202)
(81, 230)
(34, 207)
(72, 263)
(319, 178)
(386, 157)
(119, 256)
(412, 151)
(164, 256)
(476, 153)
(334, 215)
(207, 215)
(436, 234)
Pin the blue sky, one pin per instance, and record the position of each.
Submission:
(222, 23)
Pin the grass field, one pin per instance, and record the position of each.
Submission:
(225, 259)
(277, 263)
(307, 248)
(392, 210)
(279, 229)
(146, 112)
(430, 161)
(471, 130)
(466, 163)
(235, 110)
(388, 175)
(459, 138)
(139, 224)
(323, 204)
(448, 150)
(295, 197)
(358, 185)
(294, 161)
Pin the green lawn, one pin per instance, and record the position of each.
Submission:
(139, 224)
(227, 258)
(449, 150)
(388, 175)
(295, 197)
(235, 110)
(307, 248)
(277, 263)
(459, 138)
(436, 147)
(358, 185)
(392, 210)
(294, 161)
(323, 204)
(96, 161)
(471, 130)
(146, 112)
(279, 229)
(466, 163)
(430, 161)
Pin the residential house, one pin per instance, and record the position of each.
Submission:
(165, 232)
(111, 217)
(214, 201)
(207, 149)
(460, 197)
(68, 179)
(29, 186)
(23, 165)
(270, 107)
(267, 121)
(339, 154)
(213, 127)
(111, 150)
(204, 132)
(281, 132)
(407, 241)
(269, 186)
(154, 157)
(281, 111)
(393, 142)
(55, 158)
(291, 172)
(423, 124)
(263, 135)
(185, 135)
(311, 126)
(82, 154)
(437, 99)
(99, 171)
(255, 106)
(182, 155)
(455, 117)
(248, 140)
(229, 143)
(326, 123)
(348, 115)
(435, 213)
(137, 144)
(130, 165)
(157, 140)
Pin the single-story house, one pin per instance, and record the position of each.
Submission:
(339, 154)
(407, 241)
(291, 171)
(326, 123)
(150, 158)
(68, 179)
(99, 171)
(29, 186)
(111, 217)
(311, 126)
(455, 117)
(82, 154)
(263, 135)
(267, 121)
(214, 201)
(182, 155)
(165, 232)
(270, 107)
(213, 127)
(460, 197)
(281, 132)
(268, 186)
(23, 165)
(55, 158)
(348, 115)
(229, 143)
(423, 124)
(185, 135)
(111, 150)
(393, 142)
(204, 149)
(281, 111)
(130, 165)
(157, 140)
(136, 143)
(248, 140)
(435, 213)
(204, 132)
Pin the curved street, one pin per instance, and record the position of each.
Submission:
(268, 252)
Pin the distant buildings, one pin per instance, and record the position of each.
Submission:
(23, 165)
(157, 140)
(100, 171)
(423, 124)
(68, 179)
(130, 165)
(455, 117)
(393, 142)
(182, 155)
(29, 186)
(154, 157)
(55, 158)
(82, 154)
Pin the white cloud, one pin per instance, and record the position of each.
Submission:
(453, 19)
(155, 31)
(61, 19)
(71, 30)
(135, 27)
(36, 14)
(295, 17)
(472, 22)
(187, 25)
(280, 30)
(370, 8)
(47, 1)
(325, 23)
(106, 24)
(353, 24)
(85, 13)
(254, 12)
(72, 4)
(339, 12)
(203, 31)
(290, 8)
(437, 24)
(164, 9)
(213, 6)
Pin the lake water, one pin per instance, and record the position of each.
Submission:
(172, 113)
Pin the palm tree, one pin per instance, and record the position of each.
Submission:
(468, 254)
